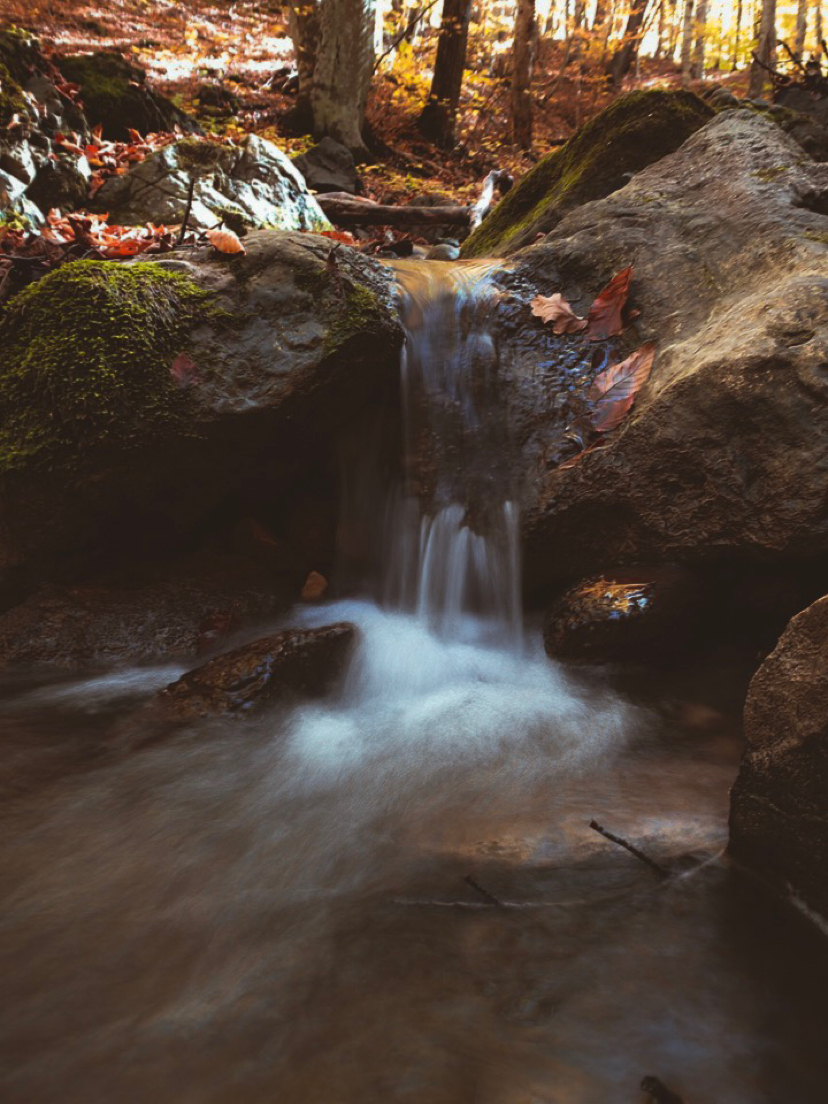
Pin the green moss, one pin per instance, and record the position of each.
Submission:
(766, 175)
(18, 51)
(359, 313)
(104, 79)
(87, 355)
(632, 133)
(196, 155)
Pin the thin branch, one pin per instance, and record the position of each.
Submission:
(187, 210)
(659, 871)
(484, 893)
(412, 23)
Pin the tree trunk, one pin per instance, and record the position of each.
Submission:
(818, 25)
(303, 24)
(801, 27)
(687, 42)
(697, 64)
(522, 73)
(662, 24)
(765, 49)
(438, 117)
(625, 55)
(342, 74)
(735, 63)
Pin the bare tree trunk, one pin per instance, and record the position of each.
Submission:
(522, 73)
(801, 28)
(659, 50)
(765, 49)
(438, 117)
(818, 24)
(697, 64)
(625, 55)
(735, 62)
(687, 42)
(303, 24)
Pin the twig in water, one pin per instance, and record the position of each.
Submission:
(484, 893)
(658, 1092)
(659, 871)
(187, 210)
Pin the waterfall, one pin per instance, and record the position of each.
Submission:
(451, 536)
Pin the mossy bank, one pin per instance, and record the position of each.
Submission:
(633, 132)
(87, 357)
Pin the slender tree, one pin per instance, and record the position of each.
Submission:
(687, 42)
(621, 61)
(765, 53)
(801, 28)
(437, 119)
(522, 61)
(818, 24)
(303, 24)
(697, 63)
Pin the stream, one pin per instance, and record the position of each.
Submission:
(393, 893)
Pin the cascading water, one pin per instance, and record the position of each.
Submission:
(281, 908)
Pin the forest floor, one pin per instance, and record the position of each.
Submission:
(246, 49)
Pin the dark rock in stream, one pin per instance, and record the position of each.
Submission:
(296, 661)
(779, 804)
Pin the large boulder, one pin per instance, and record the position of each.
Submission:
(779, 804)
(292, 662)
(328, 167)
(116, 97)
(251, 185)
(725, 452)
(632, 133)
(138, 399)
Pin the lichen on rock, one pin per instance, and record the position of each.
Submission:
(87, 359)
(633, 132)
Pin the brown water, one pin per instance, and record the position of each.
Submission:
(277, 910)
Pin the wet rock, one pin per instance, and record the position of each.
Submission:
(635, 131)
(632, 614)
(293, 662)
(60, 183)
(108, 622)
(115, 95)
(724, 455)
(251, 185)
(779, 804)
(328, 167)
(444, 251)
(286, 358)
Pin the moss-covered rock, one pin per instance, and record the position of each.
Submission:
(114, 94)
(632, 133)
(87, 353)
(18, 56)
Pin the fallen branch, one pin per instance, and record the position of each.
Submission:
(484, 893)
(659, 871)
(352, 212)
(658, 1092)
(187, 209)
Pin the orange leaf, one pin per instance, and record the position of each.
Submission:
(225, 241)
(604, 318)
(613, 391)
(555, 309)
(340, 236)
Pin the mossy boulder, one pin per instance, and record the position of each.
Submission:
(111, 446)
(18, 57)
(632, 133)
(115, 95)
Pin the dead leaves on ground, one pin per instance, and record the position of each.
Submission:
(555, 309)
(108, 159)
(605, 315)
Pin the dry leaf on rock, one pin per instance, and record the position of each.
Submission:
(184, 371)
(613, 391)
(555, 309)
(604, 318)
(225, 241)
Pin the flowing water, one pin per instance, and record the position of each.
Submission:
(393, 894)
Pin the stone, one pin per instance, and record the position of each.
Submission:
(627, 615)
(294, 662)
(116, 97)
(60, 183)
(444, 251)
(328, 167)
(635, 131)
(249, 186)
(724, 455)
(286, 357)
(779, 803)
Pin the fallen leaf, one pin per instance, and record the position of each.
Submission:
(184, 371)
(314, 587)
(604, 318)
(613, 391)
(225, 241)
(555, 309)
(339, 236)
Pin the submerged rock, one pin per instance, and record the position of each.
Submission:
(779, 804)
(625, 615)
(328, 167)
(632, 133)
(296, 661)
(253, 185)
(171, 387)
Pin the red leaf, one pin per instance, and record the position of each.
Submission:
(604, 318)
(613, 391)
(184, 371)
(340, 236)
(555, 309)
